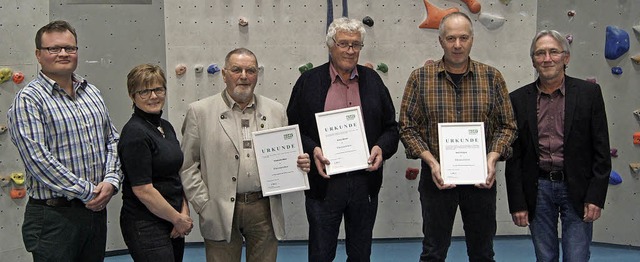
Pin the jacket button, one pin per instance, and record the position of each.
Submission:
(221, 116)
(233, 179)
(233, 199)
(237, 157)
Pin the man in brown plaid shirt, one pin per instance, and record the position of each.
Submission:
(456, 89)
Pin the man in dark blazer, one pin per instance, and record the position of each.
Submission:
(342, 83)
(561, 161)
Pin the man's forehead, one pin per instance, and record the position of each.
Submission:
(349, 34)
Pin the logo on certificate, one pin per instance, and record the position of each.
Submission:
(351, 117)
(288, 136)
(473, 131)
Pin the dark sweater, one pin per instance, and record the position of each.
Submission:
(149, 158)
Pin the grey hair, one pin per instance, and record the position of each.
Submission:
(344, 24)
(239, 51)
(454, 14)
(553, 33)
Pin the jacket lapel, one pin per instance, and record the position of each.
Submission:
(228, 123)
(532, 114)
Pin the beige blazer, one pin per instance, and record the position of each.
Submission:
(211, 151)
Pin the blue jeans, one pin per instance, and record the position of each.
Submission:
(348, 196)
(149, 240)
(439, 207)
(553, 200)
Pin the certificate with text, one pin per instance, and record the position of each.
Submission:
(343, 140)
(463, 157)
(277, 152)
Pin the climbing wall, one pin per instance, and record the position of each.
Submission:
(587, 21)
(19, 21)
(287, 34)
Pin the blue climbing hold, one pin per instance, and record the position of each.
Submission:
(614, 178)
(616, 70)
(212, 69)
(617, 42)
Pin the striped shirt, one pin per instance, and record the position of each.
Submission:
(431, 97)
(68, 145)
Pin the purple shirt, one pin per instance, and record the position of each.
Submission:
(551, 129)
(342, 93)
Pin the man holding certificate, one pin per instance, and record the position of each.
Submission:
(220, 173)
(336, 88)
(465, 98)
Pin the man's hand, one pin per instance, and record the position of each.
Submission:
(304, 163)
(320, 161)
(591, 212)
(492, 159)
(375, 158)
(102, 195)
(437, 177)
(520, 218)
(434, 165)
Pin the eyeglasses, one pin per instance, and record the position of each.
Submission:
(236, 70)
(357, 46)
(146, 93)
(553, 53)
(58, 49)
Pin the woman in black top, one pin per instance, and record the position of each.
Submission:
(155, 215)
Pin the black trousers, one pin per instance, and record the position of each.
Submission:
(348, 197)
(70, 233)
(439, 207)
(149, 240)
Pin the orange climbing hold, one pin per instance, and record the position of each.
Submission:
(434, 15)
(474, 5)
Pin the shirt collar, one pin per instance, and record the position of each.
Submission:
(561, 88)
(441, 70)
(334, 73)
(50, 85)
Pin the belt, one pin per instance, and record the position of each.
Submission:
(57, 202)
(553, 176)
(249, 197)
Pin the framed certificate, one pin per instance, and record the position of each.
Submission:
(277, 152)
(343, 140)
(463, 157)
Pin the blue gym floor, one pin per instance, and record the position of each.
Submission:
(507, 248)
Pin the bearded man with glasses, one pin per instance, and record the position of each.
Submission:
(220, 171)
(61, 127)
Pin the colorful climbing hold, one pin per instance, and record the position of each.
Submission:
(617, 42)
(382, 67)
(616, 70)
(569, 38)
(614, 178)
(305, 67)
(181, 69)
(18, 77)
(434, 15)
(613, 152)
(5, 74)
(213, 68)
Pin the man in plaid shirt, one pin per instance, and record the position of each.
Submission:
(456, 89)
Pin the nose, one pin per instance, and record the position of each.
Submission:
(457, 43)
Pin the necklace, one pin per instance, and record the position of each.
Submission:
(159, 128)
